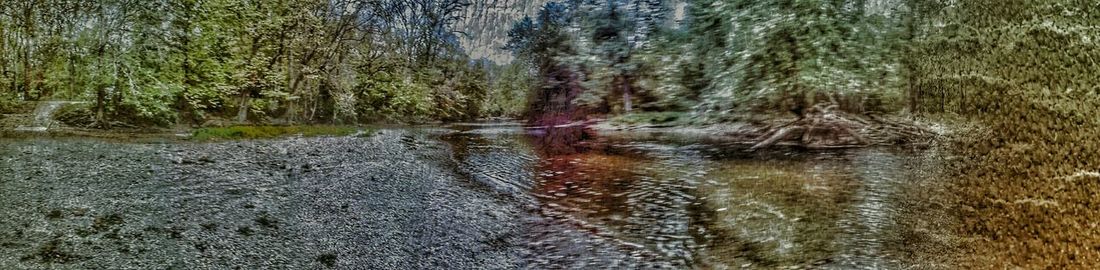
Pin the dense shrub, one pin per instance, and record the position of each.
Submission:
(268, 132)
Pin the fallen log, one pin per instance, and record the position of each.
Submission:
(775, 137)
(825, 127)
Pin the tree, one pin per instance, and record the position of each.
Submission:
(542, 43)
(298, 60)
(609, 56)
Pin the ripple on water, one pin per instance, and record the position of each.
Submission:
(651, 204)
(864, 225)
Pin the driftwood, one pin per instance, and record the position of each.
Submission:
(776, 136)
(826, 127)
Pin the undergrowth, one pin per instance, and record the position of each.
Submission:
(268, 132)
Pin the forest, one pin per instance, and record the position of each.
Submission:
(184, 62)
(1016, 76)
(158, 63)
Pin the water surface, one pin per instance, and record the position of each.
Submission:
(485, 196)
(670, 201)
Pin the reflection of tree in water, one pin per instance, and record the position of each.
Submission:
(552, 141)
(624, 202)
(581, 190)
(553, 104)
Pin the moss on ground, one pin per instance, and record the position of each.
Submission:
(328, 259)
(104, 223)
(269, 132)
(53, 252)
(245, 231)
(266, 221)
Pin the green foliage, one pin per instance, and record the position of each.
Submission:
(508, 90)
(11, 104)
(544, 45)
(268, 132)
(186, 61)
(661, 76)
(724, 57)
(460, 93)
(387, 96)
(789, 53)
(125, 115)
(75, 115)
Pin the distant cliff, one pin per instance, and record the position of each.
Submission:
(487, 23)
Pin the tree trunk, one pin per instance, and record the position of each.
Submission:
(242, 112)
(100, 93)
(117, 97)
(914, 94)
(826, 127)
(184, 102)
(26, 74)
(628, 104)
(909, 60)
(3, 55)
(72, 72)
(776, 136)
(100, 104)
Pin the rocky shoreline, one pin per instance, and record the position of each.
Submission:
(386, 201)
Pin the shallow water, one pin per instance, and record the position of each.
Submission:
(485, 196)
(665, 201)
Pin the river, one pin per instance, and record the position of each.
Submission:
(484, 196)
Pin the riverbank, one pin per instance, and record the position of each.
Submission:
(485, 196)
(767, 130)
(40, 120)
(385, 201)
(822, 130)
